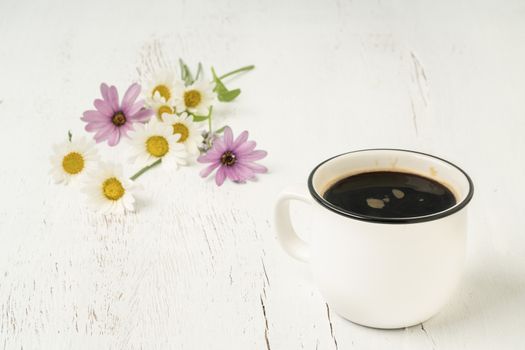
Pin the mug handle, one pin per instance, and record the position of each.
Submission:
(287, 236)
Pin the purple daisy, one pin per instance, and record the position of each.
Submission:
(235, 159)
(112, 120)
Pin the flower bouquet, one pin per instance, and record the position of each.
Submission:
(168, 124)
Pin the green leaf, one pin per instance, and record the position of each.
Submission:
(229, 96)
(200, 118)
(185, 73)
(219, 86)
(189, 78)
(199, 71)
(69, 135)
(182, 71)
(223, 94)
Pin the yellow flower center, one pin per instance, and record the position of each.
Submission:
(163, 91)
(164, 109)
(73, 163)
(113, 189)
(192, 98)
(179, 128)
(157, 146)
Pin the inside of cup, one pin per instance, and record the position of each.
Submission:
(344, 165)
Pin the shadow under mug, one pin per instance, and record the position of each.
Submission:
(374, 271)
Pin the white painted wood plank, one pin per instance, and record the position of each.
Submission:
(199, 267)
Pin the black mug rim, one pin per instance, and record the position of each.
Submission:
(382, 220)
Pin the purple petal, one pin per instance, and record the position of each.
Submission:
(220, 176)
(244, 172)
(99, 139)
(126, 127)
(93, 116)
(210, 156)
(142, 116)
(130, 96)
(245, 148)
(104, 90)
(256, 168)
(123, 133)
(95, 126)
(237, 174)
(228, 137)
(207, 171)
(240, 140)
(114, 137)
(255, 155)
(103, 107)
(219, 146)
(134, 108)
(103, 134)
(204, 158)
(113, 99)
(230, 173)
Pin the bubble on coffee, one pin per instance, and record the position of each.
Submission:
(398, 193)
(390, 194)
(375, 203)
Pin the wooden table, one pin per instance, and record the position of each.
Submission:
(199, 267)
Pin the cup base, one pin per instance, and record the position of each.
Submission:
(383, 326)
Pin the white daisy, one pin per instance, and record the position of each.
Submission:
(109, 191)
(196, 98)
(189, 131)
(72, 158)
(156, 140)
(160, 87)
(160, 106)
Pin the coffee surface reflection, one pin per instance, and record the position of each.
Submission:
(390, 194)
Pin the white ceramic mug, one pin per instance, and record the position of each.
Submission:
(380, 272)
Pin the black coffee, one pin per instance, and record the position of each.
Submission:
(390, 194)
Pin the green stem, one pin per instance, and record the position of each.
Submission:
(146, 168)
(209, 118)
(233, 72)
